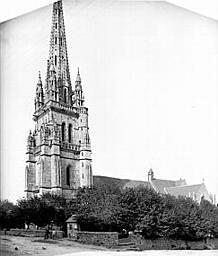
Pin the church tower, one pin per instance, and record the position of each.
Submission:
(59, 149)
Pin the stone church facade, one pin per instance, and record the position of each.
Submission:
(59, 149)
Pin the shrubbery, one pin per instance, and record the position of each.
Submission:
(107, 208)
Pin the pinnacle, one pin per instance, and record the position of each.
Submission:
(78, 78)
(39, 80)
(52, 69)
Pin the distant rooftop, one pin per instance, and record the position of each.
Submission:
(184, 190)
(160, 185)
(173, 187)
(116, 182)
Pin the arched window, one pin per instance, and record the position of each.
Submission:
(65, 95)
(63, 131)
(70, 133)
(68, 175)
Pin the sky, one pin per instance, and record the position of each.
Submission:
(149, 75)
(12, 8)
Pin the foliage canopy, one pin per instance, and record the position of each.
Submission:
(109, 208)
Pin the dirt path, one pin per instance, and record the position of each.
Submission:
(38, 246)
(16, 245)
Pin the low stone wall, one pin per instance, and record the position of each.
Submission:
(172, 244)
(31, 233)
(107, 239)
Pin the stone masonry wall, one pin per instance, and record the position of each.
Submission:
(30, 233)
(107, 239)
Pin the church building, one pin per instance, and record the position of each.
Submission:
(58, 149)
(175, 188)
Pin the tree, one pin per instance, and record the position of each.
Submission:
(9, 215)
(209, 213)
(59, 203)
(136, 204)
(180, 218)
(109, 208)
(36, 210)
(97, 208)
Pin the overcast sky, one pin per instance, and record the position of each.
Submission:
(12, 8)
(149, 74)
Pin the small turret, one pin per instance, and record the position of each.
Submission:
(52, 70)
(39, 99)
(30, 165)
(30, 142)
(150, 175)
(78, 93)
(78, 81)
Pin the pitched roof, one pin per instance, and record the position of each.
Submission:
(102, 180)
(121, 183)
(72, 218)
(160, 185)
(185, 190)
(136, 183)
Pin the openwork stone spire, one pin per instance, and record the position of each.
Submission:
(57, 66)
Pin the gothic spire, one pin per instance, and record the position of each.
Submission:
(58, 58)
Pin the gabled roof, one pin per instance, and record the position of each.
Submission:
(73, 218)
(121, 183)
(186, 190)
(137, 183)
(102, 180)
(160, 185)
